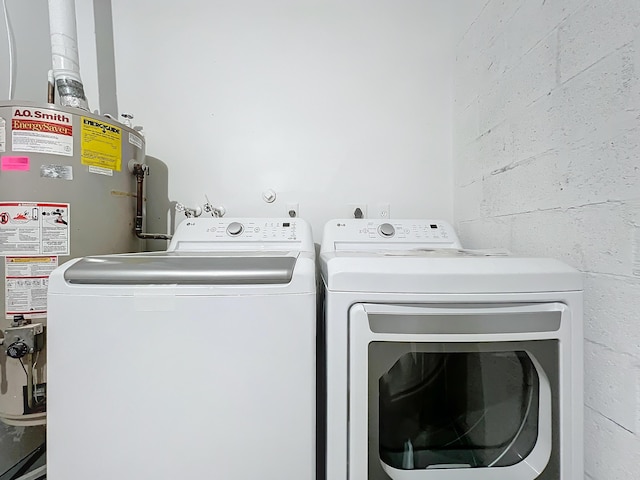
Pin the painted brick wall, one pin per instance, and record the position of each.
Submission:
(547, 163)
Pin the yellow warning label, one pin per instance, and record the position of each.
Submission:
(101, 144)
(30, 259)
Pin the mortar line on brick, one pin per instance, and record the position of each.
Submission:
(613, 52)
(575, 10)
(499, 35)
(466, 107)
(559, 28)
(558, 209)
(599, 344)
(473, 23)
(615, 276)
(513, 115)
(464, 185)
(546, 35)
(490, 129)
(521, 162)
(628, 356)
(611, 420)
(536, 100)
(630, 279)
(591, 204)
(522, 56)
(558, 57)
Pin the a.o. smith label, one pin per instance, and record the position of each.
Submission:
(41, 131)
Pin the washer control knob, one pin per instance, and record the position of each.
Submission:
(386, 230)
(234, 229)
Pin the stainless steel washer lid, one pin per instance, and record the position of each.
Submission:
(171, 269)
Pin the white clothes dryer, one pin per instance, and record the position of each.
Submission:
(197, 362)
(446, 364)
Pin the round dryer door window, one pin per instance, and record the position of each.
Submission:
(456, 406)
(458, 409)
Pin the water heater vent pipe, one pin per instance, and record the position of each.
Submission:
(64, 53)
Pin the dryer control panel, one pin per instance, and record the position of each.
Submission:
(401, 234)
(242, 234)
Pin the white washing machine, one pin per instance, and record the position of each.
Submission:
(198, 362)
(445, 364)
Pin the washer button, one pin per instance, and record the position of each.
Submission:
(386, 230)
(234, 229)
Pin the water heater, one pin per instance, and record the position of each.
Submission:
(65, 192)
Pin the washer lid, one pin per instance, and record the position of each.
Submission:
(183, 269)
(387, 272)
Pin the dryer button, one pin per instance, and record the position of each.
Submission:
(235, 228)
(386, 230)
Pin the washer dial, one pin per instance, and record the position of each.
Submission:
(235, 228)
(386, 230)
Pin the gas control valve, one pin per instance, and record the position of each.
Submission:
(24, 339)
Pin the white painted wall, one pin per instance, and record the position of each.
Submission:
(29, 21)
(546, 136)
(326, 102)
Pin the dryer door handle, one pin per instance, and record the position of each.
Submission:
(460, 323)
(464, 309)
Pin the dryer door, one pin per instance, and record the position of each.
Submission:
(453, 392)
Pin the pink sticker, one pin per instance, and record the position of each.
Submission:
(20, 164)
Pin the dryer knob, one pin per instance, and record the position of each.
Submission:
(17, 350)
(235, 228)
(386, 230)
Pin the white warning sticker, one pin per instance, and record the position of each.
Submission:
(42, 131)
(3, 135)
(26, 282)
(34, 228)
(134, 140)
(101, 171)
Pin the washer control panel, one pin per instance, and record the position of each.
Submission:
(256, 230)
(254, 233)
(389, 234)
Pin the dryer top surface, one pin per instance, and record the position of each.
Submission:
(420, 272)
(425, 256)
